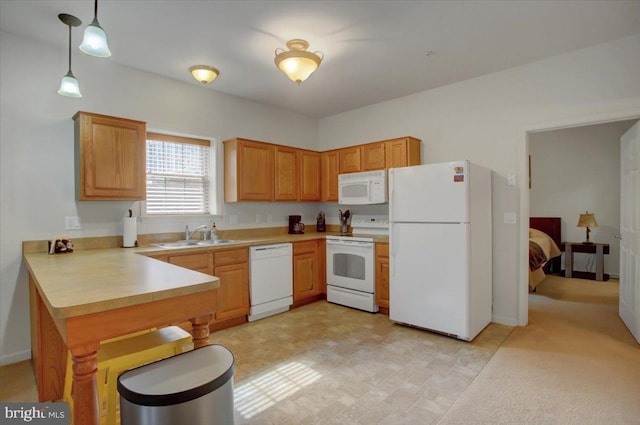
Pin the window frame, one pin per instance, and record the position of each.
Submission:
(214, 173)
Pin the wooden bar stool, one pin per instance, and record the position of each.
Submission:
(118, 355)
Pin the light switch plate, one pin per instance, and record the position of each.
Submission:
(510, 217)
(511, 179)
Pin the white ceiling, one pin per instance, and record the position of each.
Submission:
(374, 50)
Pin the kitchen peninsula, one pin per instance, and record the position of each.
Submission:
(80, 299)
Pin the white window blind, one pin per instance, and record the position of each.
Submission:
(177, 175)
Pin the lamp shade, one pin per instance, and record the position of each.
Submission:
(297, 63)
(204, 74)
(587, 220)
(94, 42)
(69, 86)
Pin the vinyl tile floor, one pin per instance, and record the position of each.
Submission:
(328, 364)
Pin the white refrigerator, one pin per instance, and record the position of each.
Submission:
(440, 275)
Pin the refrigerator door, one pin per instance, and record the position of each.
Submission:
(435, 193)
(429, 276)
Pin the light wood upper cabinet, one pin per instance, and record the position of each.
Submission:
(110, 158)
(349, 160)
(373, 156)
(286, 173)
(329, 176)
(382, 277)
(248, 170)
(402, 152)
(309, 171)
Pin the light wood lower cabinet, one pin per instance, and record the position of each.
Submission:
(309, 281)
(382, 277)
(232, 267)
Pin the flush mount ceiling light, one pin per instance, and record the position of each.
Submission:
(69, 86)
(94, 42)
(203, 73)
(297, 63)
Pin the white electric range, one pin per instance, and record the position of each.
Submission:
(351, 263)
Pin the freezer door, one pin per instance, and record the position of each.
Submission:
(430, 193)
(429, 276)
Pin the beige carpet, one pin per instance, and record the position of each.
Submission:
(575, 363)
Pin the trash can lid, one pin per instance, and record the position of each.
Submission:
(178, 379)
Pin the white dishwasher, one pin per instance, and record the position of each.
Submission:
(271, 279)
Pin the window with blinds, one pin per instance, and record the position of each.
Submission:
(177, 175)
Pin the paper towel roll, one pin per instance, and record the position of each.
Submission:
(130, 233)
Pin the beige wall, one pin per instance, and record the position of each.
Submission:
(486, 120)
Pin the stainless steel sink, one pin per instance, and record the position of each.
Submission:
(216, 242)
(187, 244)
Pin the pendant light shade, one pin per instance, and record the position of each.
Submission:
(69, 86)
(297, 63)
(94, 42)
(204, 74)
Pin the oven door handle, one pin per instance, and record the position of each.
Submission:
(350, 243)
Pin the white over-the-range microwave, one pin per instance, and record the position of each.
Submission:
(369, 187)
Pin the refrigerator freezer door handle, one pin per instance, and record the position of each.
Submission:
(391, 196)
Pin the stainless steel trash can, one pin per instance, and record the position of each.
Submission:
(194, 388)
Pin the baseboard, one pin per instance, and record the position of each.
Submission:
(504, 320)
(15, 357)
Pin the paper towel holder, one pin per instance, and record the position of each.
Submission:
(129, 229)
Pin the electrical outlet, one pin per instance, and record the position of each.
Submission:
(258, 218)
(72, 223)
(269, 219)
(233, 219)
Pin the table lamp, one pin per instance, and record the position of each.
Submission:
(587, 220)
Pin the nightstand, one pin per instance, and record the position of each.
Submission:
(599, 249)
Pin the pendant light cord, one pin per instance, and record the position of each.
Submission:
(95, 10)
(69, 48)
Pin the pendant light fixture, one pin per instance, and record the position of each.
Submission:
(203, 73)
(94, 42)
(297, 63)
(69, 86)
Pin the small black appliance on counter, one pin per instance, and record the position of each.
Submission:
(320, 223)
(295, 225)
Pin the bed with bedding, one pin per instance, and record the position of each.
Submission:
(544, 251)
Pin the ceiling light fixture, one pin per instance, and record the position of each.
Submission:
(297, 63)
(204, 74)
(69, 86)
(94, 42)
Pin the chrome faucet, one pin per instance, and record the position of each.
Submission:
(188, 234)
